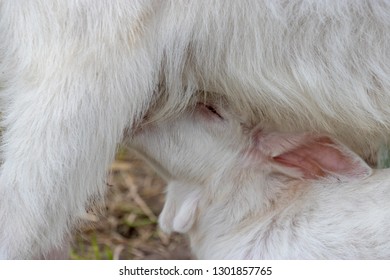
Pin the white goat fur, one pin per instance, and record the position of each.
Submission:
(237, 201)
(75, 74)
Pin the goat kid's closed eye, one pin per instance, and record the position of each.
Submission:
(208, 110)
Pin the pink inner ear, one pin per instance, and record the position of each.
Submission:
(321, 156)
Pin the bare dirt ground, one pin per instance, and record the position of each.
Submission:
(127, 227)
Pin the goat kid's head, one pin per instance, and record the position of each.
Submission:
(210, 151)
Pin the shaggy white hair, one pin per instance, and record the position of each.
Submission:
(75, 74)
(249, 193)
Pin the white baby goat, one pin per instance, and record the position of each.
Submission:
(243, 193)
(75, 74)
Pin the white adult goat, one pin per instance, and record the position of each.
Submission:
(75, 74)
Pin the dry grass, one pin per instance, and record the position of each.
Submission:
(128, 228)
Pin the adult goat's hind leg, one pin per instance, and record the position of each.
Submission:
(65, 109)
(55, 151)
(57, 144)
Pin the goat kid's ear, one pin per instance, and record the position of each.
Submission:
(165, 220)
(309, 156)
(180, 209)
